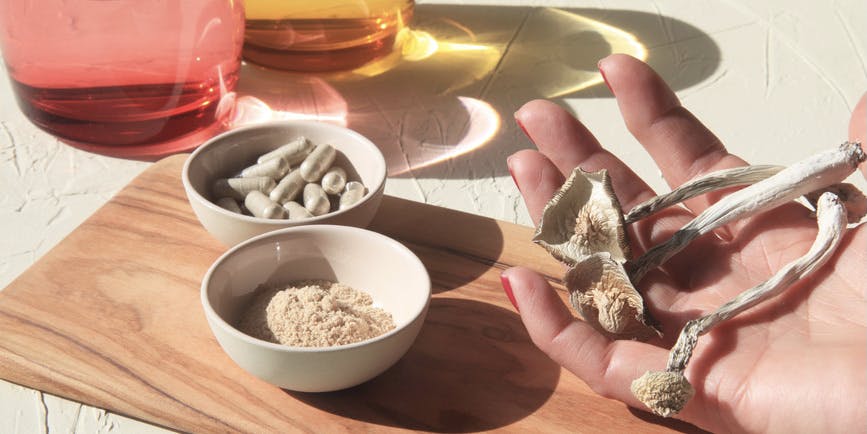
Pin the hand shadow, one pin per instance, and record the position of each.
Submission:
(461, 70)
(472, 368)
(456, 248)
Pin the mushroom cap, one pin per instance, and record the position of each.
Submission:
(853, 199)
(583, 218)
(664, 392)
(601, 292)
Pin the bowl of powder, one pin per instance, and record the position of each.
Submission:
(316, 308)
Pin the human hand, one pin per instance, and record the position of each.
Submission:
(858, 127)
(795, 363)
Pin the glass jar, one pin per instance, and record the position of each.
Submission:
(123, 77)
(324, 35)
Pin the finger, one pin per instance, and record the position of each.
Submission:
(858, 127)
(536, 178)
(565, 143)
(568, 144)
(556, 133)
(681, 145)
(608, 367)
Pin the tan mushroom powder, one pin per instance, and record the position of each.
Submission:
(314, 314)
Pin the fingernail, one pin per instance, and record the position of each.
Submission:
(507, 288)
(518, 121)
(602, 73)
(509, 165)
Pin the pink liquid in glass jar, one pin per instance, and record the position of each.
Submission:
(127, 78)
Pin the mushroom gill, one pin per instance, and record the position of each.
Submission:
(583, 218)
(600, 291)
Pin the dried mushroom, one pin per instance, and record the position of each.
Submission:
(601, 292)
(810, 174)
(664, 392)
(706, 183)
(583, 218)
(583, 227)
(667, 392)
(851, 196)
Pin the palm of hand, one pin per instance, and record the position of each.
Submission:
(796, 361)
(795, 352)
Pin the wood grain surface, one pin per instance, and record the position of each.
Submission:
(111, 317)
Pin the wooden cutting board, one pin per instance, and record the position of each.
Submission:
(111, 317)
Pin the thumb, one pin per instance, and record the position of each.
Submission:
(858, 127)
(608, 367)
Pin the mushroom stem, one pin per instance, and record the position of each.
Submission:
(704, 184)
(831, 216)
(667, 392)
(813, 173)
(853, 199)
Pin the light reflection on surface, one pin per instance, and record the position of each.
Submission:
(410, 46)
(620, 42)
(557, 51)
(270, 95)
(416, 45)
(251, 110)
(482, 124)
(442, 92)
(413, 45)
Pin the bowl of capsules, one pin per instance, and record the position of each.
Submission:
(264, 177)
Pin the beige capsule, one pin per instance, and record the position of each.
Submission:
(275, 169)
(353, 193)
(238, 188)
(296, 210)
(293, 152)
(261, 206)
(288, 188)
(315, 199)
(315, 165)
(230, 204)
(334, 180)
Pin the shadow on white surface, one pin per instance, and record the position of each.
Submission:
(446, 95)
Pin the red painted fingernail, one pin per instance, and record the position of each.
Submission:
(601, 72)
(518, 121)
(507, 288)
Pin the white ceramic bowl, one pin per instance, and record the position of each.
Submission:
(364, 260)
(228, 153)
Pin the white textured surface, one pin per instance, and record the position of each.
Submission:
(775, 80)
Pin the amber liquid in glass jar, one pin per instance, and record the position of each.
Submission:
(324, 35)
